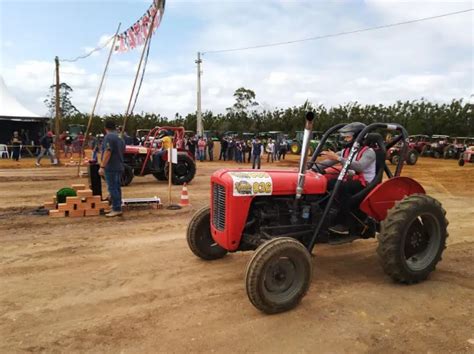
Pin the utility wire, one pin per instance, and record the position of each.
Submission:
(338, 34)
(90, 53)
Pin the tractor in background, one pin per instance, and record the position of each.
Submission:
(143, 160)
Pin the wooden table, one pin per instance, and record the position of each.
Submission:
(28, 148)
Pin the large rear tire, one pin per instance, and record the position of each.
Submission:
(412, 238)
(295, 148)
(183, 171)
(278, 275)
(199, 236)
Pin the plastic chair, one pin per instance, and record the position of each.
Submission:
(4, 151)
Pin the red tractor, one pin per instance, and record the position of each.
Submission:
(457, 147)
(143, 160)
(467, 156)
(438, 145)
(282, 214)
(411, 157)
(420, 143)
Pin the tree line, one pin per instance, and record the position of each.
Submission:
(418, 117)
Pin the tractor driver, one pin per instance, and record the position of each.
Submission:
(166, 143)
(361, 172)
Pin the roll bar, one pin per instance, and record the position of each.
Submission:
(353, 152)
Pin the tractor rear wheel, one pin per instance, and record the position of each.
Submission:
(199, 236)
(295, 148)
(412, 238)
(412, 157)
(278, 275)
(183, 171)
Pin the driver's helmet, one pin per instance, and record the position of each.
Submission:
(352, 129)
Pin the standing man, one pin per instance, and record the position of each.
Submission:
(112, 166)
(16, 142)
(210, 149)
(46, 143)
(257, 151)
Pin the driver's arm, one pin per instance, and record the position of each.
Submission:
(328, 163)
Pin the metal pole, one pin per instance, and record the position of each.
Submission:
(57, 123)
(89, 123)
(199, 128)
(170, 161)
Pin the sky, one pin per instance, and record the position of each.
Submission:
(431, 59)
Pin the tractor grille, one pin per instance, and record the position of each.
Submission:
(218, 206)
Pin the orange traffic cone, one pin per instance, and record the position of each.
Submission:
(184, 196)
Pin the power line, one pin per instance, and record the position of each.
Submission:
(88, 54)
(337, 34)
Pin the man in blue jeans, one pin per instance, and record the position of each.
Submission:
(111, 166)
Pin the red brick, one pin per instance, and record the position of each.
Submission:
(76, 213)
(84, 193)
(92, 212)
(65, 207)
(57, 214)
(49, 205)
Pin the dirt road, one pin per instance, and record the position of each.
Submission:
(131, 284)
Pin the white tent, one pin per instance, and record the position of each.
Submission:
(10, 107)
(15, 116)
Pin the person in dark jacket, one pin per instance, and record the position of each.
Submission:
(16, 142)
(257, 152)
(46, 143)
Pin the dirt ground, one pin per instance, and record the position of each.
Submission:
(131, 285)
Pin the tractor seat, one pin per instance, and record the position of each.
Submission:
(376, 142)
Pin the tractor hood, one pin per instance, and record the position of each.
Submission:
(248, 183)
(133, 149)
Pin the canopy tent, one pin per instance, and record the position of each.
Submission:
(16, 117)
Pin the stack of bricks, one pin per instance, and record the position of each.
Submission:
(83, 204)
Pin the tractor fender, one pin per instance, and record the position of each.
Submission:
(383, 197)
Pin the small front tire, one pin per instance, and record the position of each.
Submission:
(278, 275)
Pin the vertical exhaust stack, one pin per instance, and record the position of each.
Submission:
(304, 153)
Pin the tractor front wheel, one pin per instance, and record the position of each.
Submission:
(199, 236)
(127, 176)
(278, 275)
(412, 157)
(160, 176)
(394, 159)
(412, 238)
(461, 162)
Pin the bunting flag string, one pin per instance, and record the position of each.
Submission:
(135, 36)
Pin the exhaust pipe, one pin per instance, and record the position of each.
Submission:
(308, 128)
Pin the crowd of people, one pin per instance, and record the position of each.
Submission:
(238, 149)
